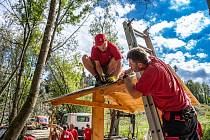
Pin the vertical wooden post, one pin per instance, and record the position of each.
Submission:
(98, 118)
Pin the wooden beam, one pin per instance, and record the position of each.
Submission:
(85, 91)
(98, 118)
(121, 102)
(90, 103)
(66, 99)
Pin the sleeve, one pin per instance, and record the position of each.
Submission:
(71, 136)
(61, 138)
(146, 82)
(115, 51)
(76, 133)
(94, 55)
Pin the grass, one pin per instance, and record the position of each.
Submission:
(142, 126)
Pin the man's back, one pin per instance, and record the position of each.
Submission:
(159, 82)
(87, 133)
(66, 135)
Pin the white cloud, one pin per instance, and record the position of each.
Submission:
(116, 10)
(190, 44)
(198, 72)
(122, 10)
(98, 11)
(201, 55)
(205, 66)
(155, 29)
(188, 55)
(139, 25)
(179, 59)
(192, 69)
(193, 23)
(174, 58)
(179, 4)
(171, 43)
(191, 65)
(1, 16)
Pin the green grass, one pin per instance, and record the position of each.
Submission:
(141, 127)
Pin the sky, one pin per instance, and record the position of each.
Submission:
(179, 30)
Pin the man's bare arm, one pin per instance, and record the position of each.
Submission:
(99, 68)
(131, 88)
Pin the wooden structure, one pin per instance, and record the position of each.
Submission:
(113, 96)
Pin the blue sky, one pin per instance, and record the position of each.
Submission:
(179, 29)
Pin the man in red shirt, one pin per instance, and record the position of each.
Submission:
(66, 135)
(29, 137)
(105, 61)
(87, 132)
(157, 80)
(73, 131)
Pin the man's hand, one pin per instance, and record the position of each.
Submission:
(126, 73)
(112, 79)
(131, 88)
(103, 78)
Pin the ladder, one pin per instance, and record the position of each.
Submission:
(150, 109)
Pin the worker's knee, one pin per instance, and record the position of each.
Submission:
(85, 58)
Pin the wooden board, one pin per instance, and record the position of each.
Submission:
(116, 95)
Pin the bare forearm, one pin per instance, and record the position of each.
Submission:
(119, 68)
(99, 70)
(131, 88)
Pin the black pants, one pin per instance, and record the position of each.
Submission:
(182, 124)
(104, 68)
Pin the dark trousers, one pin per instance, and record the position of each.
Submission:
(181, 125)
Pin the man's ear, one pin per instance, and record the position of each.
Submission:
(140, 65)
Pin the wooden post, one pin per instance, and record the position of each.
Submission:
(98, 118)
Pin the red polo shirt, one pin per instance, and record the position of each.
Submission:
(74, 133)
(66, 135)
(161, 84)
(87, 133)
(106, 56)
(29, 138)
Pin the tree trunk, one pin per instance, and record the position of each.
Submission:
(17, 93)
(5, 105)
(18, 123)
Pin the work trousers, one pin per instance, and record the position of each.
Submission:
(181, 125)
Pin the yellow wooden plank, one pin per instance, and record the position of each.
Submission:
(98, 118)
(91, 103)
(122, 102)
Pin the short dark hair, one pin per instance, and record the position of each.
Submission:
(64, 127)
(138, 55)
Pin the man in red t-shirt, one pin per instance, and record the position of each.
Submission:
(66, 135)
(105, 61)
(87, 132)
(157, 80)
(29, 137)
(73, 131)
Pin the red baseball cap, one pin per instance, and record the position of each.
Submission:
(100, 39)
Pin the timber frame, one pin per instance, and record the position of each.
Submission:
(113, 96)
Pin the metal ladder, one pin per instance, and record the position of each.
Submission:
(150, 109)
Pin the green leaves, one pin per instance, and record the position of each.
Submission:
(200, 91)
